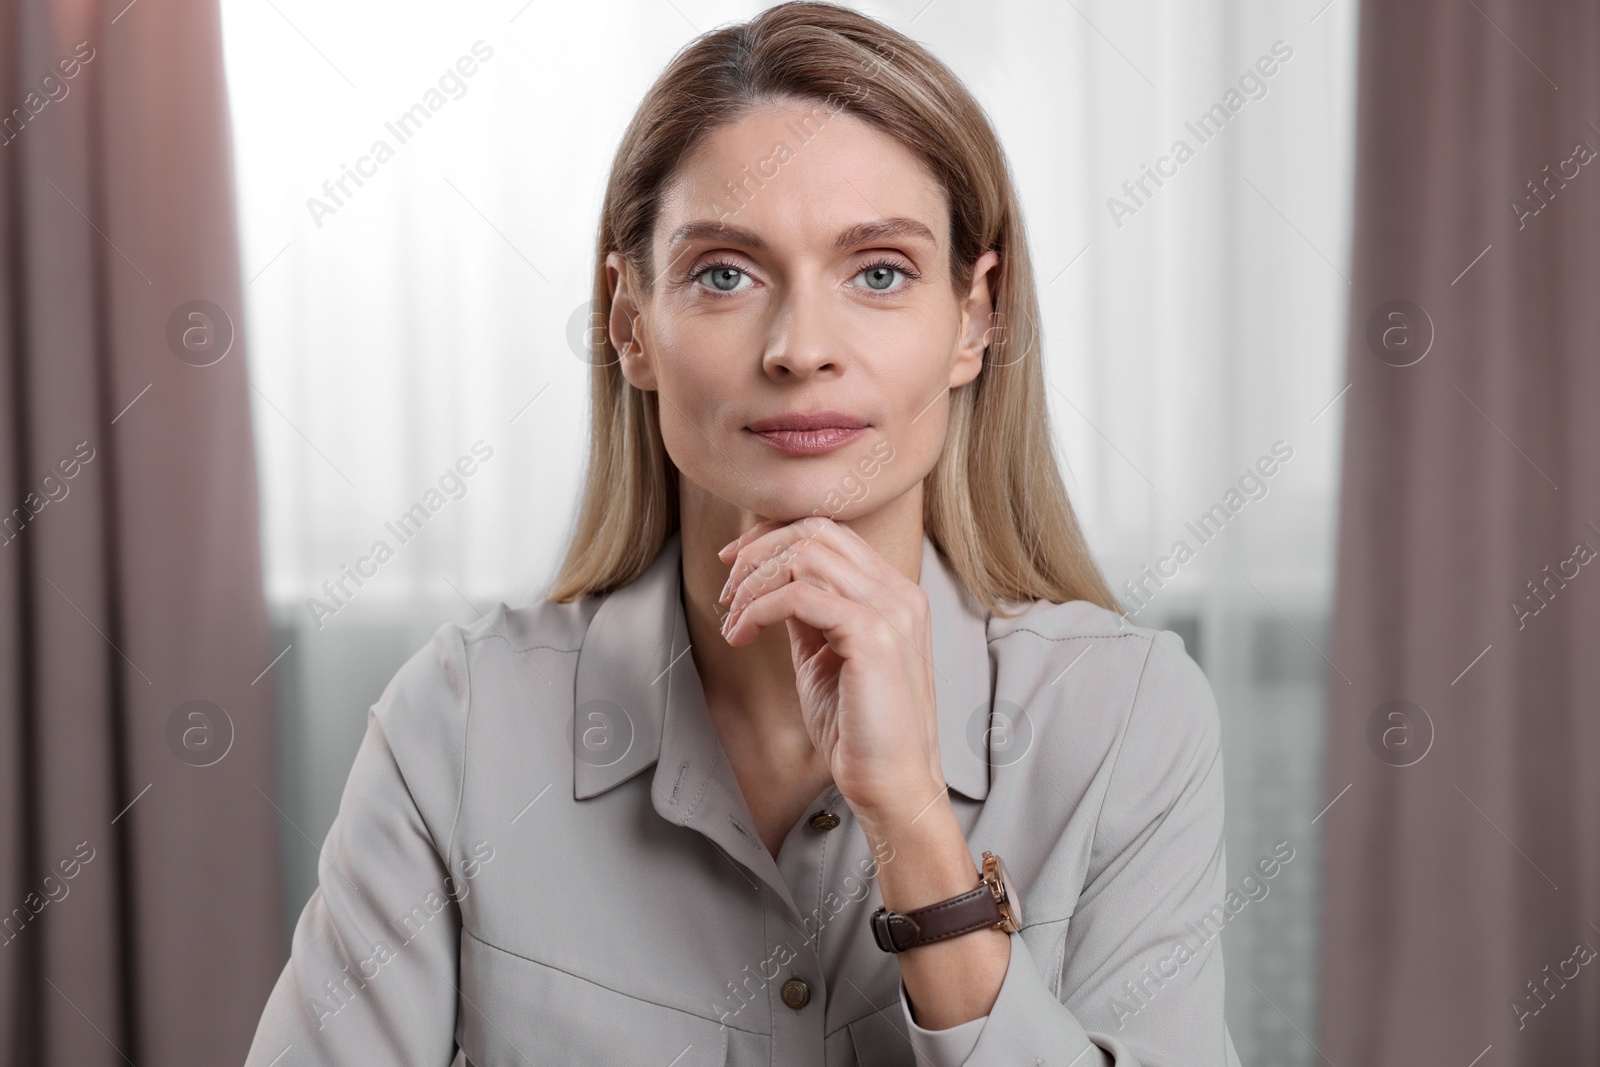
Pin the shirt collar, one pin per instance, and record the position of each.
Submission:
(638, 698)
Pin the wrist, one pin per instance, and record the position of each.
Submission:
(907, 808)
(926, 858)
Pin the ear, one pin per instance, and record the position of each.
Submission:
(625, 324)
(980, 324)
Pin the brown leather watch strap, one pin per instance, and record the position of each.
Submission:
(973, 910)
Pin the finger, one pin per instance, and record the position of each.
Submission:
(805, 642)
(762, 550)
(815, 562)
(729, 550)
(768, 553)
(756, 547)
(840, 621)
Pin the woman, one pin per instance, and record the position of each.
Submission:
(827, 631)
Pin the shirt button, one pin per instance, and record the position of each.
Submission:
(796, 993)
(823, 821)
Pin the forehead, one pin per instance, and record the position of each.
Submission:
(798, 173)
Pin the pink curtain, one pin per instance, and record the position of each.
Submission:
(1461, 866)
(139, 871)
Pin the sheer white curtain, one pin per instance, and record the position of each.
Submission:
(412, 300)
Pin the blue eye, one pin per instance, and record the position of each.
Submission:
(724, 277)
(879, 277)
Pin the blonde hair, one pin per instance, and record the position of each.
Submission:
(994, 504)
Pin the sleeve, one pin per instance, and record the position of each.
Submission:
(372, 971)
(1141, 982)
(941, 1048)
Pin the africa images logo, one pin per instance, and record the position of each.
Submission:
(453, 485)
(405, 126)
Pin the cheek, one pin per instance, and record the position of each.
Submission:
(913, 368)
(917, 446)
(910, 351)
(699, 369)
(681, 434)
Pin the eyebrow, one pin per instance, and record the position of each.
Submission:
(860, 233)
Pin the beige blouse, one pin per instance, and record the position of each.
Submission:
(542, 856)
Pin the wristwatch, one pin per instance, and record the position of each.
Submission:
(993, 903)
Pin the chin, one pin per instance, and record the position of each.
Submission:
(789, 503)
(843, 496)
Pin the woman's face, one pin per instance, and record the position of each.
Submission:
(802, 333)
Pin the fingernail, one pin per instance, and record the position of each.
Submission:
(723, 551)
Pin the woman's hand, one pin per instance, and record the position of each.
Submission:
(860, 634)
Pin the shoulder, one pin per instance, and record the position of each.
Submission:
(465, 678)
(436, 685)
(1046, 634)
(1134, 690)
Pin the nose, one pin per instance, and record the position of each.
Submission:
(805, 338)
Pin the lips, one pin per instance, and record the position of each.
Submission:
(808, 420)
(809, 433)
